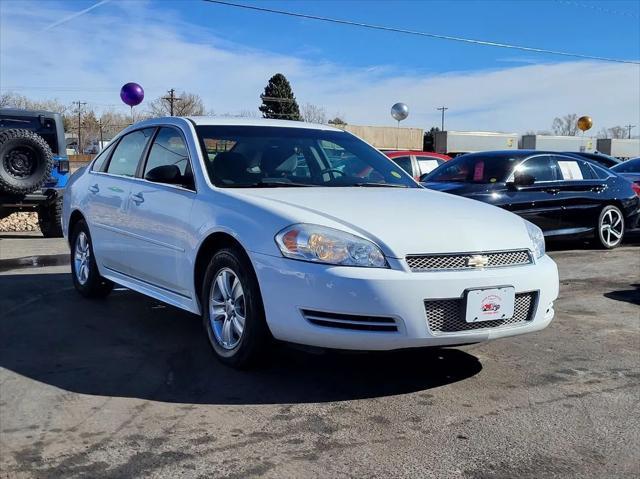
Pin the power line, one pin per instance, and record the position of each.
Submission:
(422, 34)
(80, 105)
(628, 127)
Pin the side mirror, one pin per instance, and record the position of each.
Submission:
(522, 179)
(165, 174)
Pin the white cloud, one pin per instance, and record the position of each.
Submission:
(120, 42)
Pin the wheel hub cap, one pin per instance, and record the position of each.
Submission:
(82, 256)
(611, 228)
(227, 310)
(19, 163)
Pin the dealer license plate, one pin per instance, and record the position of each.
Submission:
(490, 304)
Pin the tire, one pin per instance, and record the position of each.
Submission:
(25, 161)
(242, 349)
(87, 282)
(610, 228)
(50, 219)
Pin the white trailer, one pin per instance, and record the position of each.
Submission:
(456, 142)
(619, 148)
(558, 143)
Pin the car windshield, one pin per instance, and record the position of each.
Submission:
(257, 156)
(629, 166)
(474, 168)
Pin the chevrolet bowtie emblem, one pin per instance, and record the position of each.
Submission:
(478, 261)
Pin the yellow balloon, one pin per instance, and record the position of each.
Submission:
(585, 122)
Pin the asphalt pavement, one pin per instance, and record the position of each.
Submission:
(127, 387)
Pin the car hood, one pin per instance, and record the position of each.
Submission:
(400, 221)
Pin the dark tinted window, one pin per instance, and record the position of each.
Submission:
(542, 168)
(474, 168)
(254, 156)
(126, 156)
(629, 166)
(168, 148)
(403, 162)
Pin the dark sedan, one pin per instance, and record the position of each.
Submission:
(601, 158)
(564, 195)
(630, 170)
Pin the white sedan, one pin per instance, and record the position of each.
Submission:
(303, 233)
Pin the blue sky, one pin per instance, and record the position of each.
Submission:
(226, 55)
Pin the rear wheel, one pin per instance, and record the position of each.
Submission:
(233, 314)
(84, 270)
(610, 230)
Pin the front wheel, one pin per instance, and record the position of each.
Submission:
(233, 314)
(86, 277)
(610, 230)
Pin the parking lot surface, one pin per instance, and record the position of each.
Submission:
(127, 387)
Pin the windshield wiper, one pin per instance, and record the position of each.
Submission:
(379, 185)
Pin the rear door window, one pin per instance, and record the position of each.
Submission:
(168, 148)
(427, 164)
(574, 170)
(126, 156)
(403, 162)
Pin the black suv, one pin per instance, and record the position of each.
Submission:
(34, 167)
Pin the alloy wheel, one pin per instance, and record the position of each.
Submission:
(227, 309)
(82, 258)
(611, 228)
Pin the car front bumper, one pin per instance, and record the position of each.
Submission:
(290, 287)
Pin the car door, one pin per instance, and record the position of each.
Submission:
(580, 193)
(540, 202)
(160, 214)
(108, 201)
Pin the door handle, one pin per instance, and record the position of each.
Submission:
(137, 198)
(94, 188)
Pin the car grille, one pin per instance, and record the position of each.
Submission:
(440, 262)
(448, 315)
(350, 321)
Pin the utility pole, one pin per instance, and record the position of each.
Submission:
(442, 109)
(171, 99)
(628, 127)
(80, 105)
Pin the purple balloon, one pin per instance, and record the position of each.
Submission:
(132, 94)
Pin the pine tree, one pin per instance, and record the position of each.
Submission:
(278, 100)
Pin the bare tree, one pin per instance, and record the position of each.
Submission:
(566, 125)
(617, 132)
(337, 120)
(185, 104)
(313, 113)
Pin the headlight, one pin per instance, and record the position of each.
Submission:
(320, 244)
(537, 239)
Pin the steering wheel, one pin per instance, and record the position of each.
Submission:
(332, 170)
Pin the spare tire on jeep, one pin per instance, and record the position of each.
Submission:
(25, 161)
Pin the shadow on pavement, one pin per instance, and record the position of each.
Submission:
(132, 346)
(627, 295)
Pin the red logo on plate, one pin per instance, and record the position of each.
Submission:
(491, 304)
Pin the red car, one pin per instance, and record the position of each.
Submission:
(417, 163)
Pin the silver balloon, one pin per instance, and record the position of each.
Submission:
(399, 111)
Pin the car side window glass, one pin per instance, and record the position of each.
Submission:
(98, 165)
(126, 156)
(403, 162)
(168, 148)
(428, 164)
(599, 172)
(573, 170)
(540, 167)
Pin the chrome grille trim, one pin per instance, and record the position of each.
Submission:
(459, 261)
(448, 315)
(350, 321)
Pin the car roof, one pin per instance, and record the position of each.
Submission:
(511, 153)
(396, 153)
(27, 113)
(217, 121)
